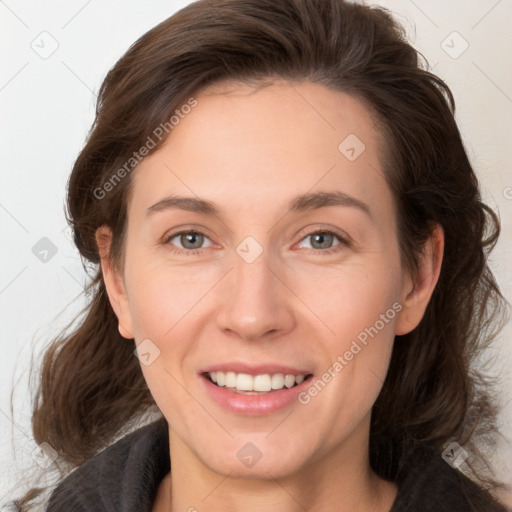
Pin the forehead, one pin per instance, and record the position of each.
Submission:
(284, 138)
(280, 117)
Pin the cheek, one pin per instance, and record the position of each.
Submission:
(348, 298)
(164, 308)
(162, 297)
(359, 304)
(167, 308)
(345, 392)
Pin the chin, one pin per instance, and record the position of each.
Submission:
(254, 457)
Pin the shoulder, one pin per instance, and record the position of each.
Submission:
(123, 477)
(427, 483)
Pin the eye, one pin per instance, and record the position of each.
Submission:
(189, 242)
(323, 241)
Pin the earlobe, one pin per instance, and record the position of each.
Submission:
(416, 294)
(114, 283)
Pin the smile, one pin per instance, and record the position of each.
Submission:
(254, 390)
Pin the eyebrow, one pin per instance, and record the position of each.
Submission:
(303, 202)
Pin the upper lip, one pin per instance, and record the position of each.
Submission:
(254, 369)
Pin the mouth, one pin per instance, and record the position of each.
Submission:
(254, 391)
(261, 384)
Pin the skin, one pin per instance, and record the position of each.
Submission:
(250, 151)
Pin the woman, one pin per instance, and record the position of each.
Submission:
(287, 230)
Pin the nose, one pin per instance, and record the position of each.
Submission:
(256, 303)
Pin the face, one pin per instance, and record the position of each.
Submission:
(267, 279)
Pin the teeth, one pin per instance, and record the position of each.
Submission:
(277, 381)
(289, 381)
(221, 379)
(261, 383)
(230, 379)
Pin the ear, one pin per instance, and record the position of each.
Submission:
(416, 294)
(114, 283)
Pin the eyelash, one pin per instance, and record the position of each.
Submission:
(191, 252)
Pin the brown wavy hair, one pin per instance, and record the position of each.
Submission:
(91, 388)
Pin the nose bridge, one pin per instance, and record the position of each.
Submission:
(253, 280)
(255, 303)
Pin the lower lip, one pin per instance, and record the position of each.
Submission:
(254, 405)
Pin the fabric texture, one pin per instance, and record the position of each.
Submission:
(125, 478)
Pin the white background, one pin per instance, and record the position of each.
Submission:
(48, 106)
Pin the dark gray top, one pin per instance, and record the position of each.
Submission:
(125, 478)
